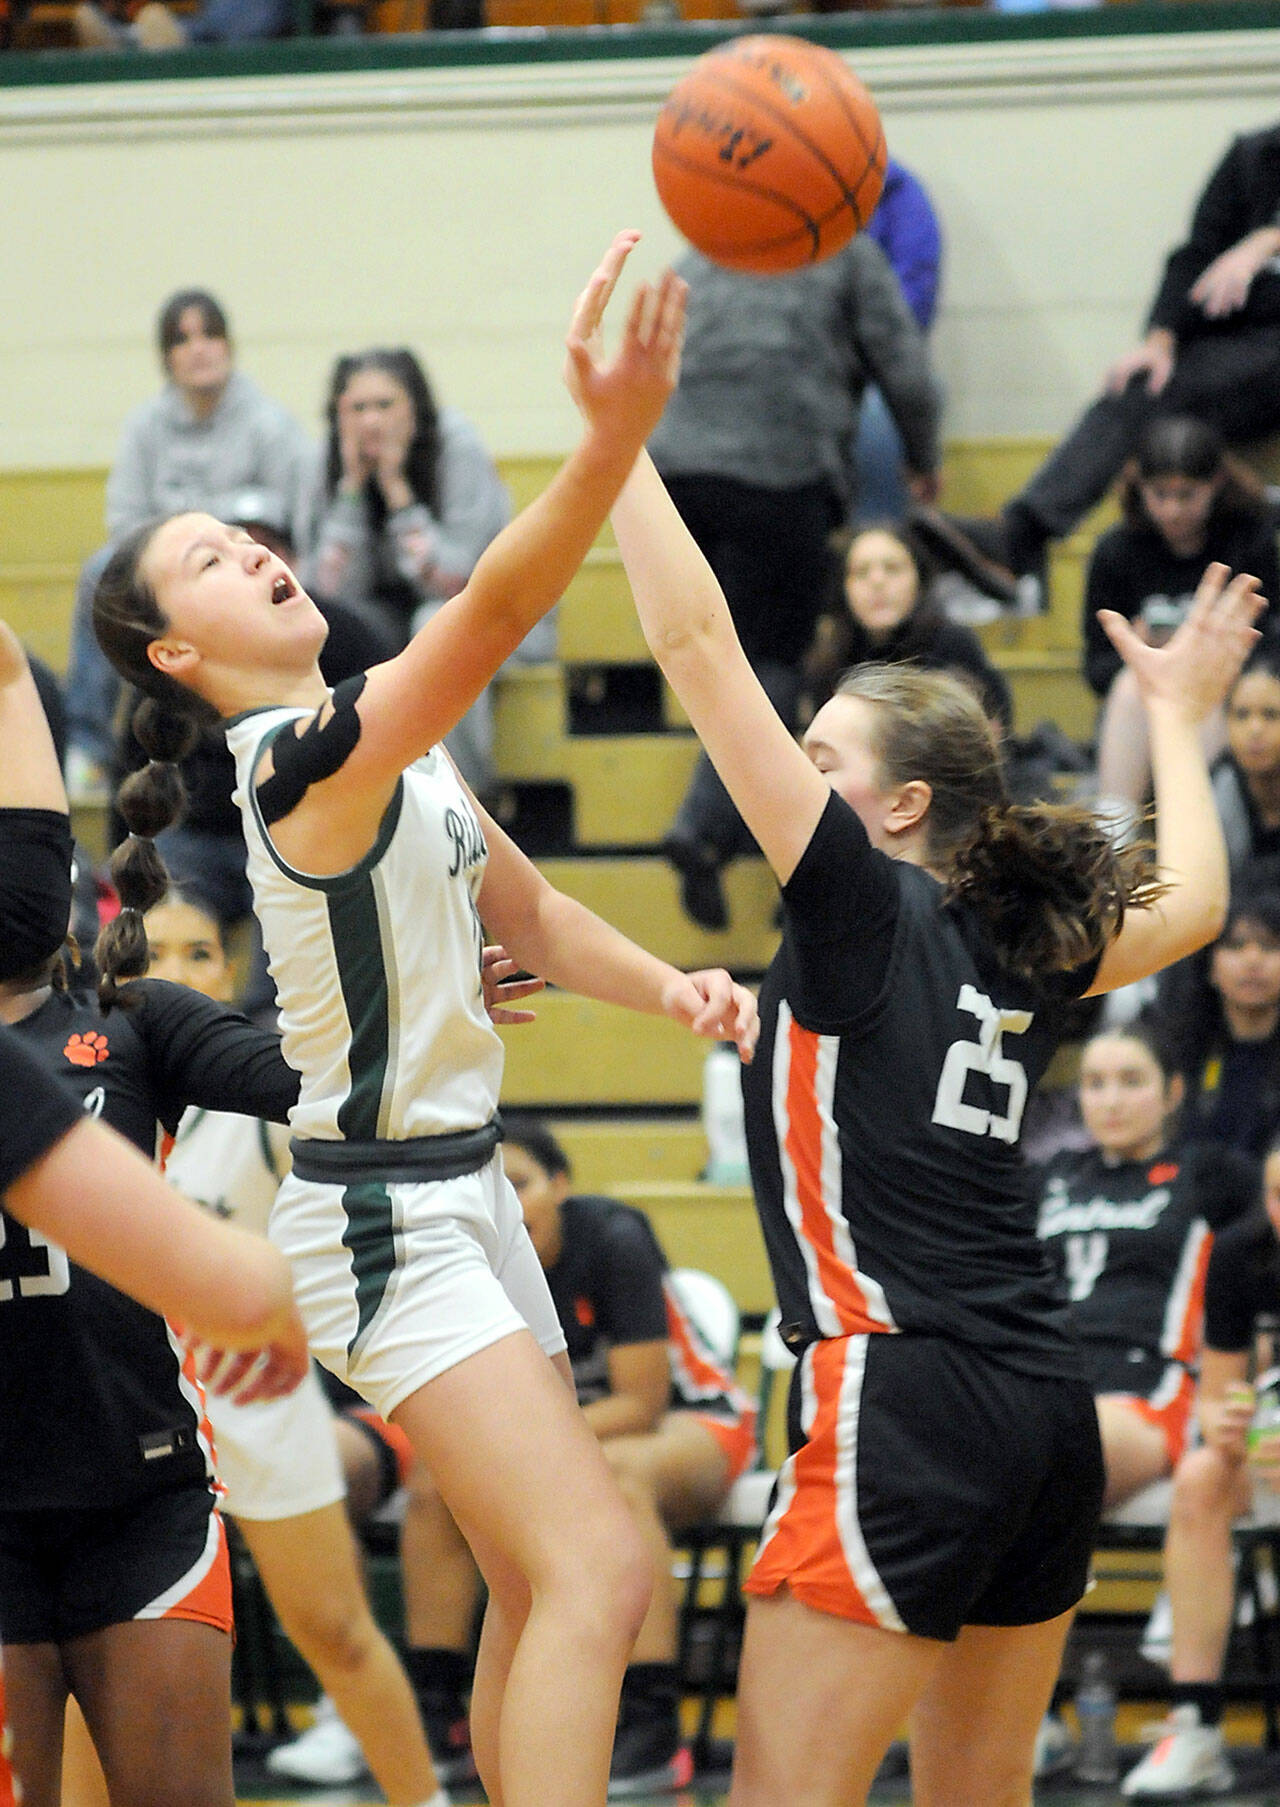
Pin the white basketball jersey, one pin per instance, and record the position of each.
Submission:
(232, 1165)
(378, 969)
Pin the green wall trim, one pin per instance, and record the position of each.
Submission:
(461, 49)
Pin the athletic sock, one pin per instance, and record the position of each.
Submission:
(1205, 1697)
(438, 1673)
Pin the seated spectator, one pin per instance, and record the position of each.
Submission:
(1187, 504)
(1212, 350)
(906, 228)
(1212, 1486)
(1246, 780)
(210, 435)
(1128, 1224)
(675, 1428)
(118, 25)
(1222, 1020)
(888, 613)
(408, 500)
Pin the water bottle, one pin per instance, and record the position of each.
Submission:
(722, 1117)
(1097, 1759)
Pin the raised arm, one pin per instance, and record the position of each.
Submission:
(690, 633)
(30, 777)
(1181, 684)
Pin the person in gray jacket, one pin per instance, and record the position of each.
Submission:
(209, 440)
(755, 450)
(408, 499)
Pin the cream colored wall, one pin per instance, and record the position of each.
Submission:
(458, 210)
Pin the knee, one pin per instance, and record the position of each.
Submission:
(613, 1580)
(334, 1634)
(1204, 1491)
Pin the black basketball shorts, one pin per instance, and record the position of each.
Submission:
(931, 1487)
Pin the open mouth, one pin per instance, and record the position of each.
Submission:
(282, 589)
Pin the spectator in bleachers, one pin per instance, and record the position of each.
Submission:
(206, 438)
(755, 449)
(905, 226)
(119, 25)
(1212, 349)
(1128, 1225)
(677, 1432)
(888, 613)
(408, 499)
(1187, 504)
(1222, 1019)
(1246, 780)
(1213, 1485)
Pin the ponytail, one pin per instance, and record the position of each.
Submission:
(149, 801)
(1048, 882)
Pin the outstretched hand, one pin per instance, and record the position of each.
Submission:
(246, 1375)
(629, 394)
(1193, 671)
(712, 1004)
(501, 990)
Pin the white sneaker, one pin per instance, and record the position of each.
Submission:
(1187, 1760)
(326, 1753)
(1054, 1749)
(1157, 1636)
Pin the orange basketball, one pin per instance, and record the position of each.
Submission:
(769, 154)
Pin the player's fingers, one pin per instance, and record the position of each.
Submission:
(590, 306)
(510, 989)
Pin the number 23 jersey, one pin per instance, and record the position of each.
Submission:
(883, 1110)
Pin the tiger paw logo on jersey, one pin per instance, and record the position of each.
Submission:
(87, 1050)
(584, 1311)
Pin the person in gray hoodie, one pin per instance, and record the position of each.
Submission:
(209, 440)
(754, 449)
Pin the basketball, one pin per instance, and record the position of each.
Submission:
(769, 154)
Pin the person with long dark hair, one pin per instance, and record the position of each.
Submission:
(932, 1528)
(373, 869)
(409, 499)
(1186, 504)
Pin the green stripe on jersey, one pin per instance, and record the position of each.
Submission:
(362, 974)
(370, 1236)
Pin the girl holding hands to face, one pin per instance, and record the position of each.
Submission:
(932, 1528)
(372, 871)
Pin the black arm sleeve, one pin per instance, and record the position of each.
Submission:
(205, 1054)
(35, 888)
(36, 1110)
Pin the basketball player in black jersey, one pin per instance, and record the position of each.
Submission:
(931, 1531)
(114, 1579)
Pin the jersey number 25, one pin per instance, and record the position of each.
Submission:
(984, 1056)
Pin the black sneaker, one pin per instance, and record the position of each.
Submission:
(701, 893)
(649, 1757)
(449, 1738)
(974, 548)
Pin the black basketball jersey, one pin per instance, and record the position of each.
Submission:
(883, 1111)
(1131, 1243)
(1243, 1284)
(35, 1112)
(97, 1407)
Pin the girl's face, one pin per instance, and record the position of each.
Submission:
(375, 407)
(881, 583)
(228, 600)
(1245, 966)
(1271, 1188)
(1125, 1097)
(1253, 724)
(186, 948)
(839, 743)
(541, 1195)
(1179, 508)
(198, 361)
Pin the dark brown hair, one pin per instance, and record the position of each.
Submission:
(1047, 879)
(169, 325)
(1179, 445)
(167, 722)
